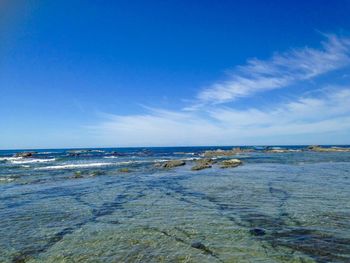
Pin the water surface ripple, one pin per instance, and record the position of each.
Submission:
(278, 207)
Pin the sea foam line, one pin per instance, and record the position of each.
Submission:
(10, 158)
(25, 161)
(101, 164)
(72, 166)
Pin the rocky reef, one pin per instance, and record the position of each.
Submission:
(200, 164)
(230, 163)
(280, 150)
(203, 164)
(220, 152)
(25, 154)
(170, 164)
(317, 148)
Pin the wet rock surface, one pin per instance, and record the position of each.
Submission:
(231, 163)
(317, 148)
(203, 164)
(220, 152)
(25, 154)
(171, 164)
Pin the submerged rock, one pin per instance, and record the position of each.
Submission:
(77, 175)
(124, 170)
(25, 154)
(171, 164)
(230, 163)
(97, 173)
(145, 152)
(74, 153)
(198, 245)
(201, 246)
(257, 231)
(203, 164)
(114, 153)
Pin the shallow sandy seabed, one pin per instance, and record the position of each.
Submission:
(298, 202)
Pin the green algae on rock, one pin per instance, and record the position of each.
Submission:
(203, 164)
(231, 163)
(171, 164)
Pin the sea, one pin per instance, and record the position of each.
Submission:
(118, 205)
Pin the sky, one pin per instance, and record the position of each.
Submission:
(173, 73)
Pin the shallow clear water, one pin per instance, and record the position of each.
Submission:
(288, 207)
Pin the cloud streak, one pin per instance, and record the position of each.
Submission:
(282, 70)
(320, 115)
(328, 112)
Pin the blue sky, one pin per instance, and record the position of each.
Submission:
(158, 73)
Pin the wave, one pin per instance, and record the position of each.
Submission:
(6, 179)
(25, 161)
(160, 160)
(10, 158)
(21, 160)
(101, 164)
(72, 166)
(90, 165)
(111, 157)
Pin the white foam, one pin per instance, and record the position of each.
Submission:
(160, 160)
(10, 158)
(2, 179)
(72, 166)
(111, 157)
(24, 161)
(193, 159)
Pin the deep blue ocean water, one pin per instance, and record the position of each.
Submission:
(68, 206)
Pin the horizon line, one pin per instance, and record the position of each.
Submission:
(188, 146)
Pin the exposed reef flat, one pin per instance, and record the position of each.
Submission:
(203, 164)
(170, 164)
(317, 148)
(220, 152)
(231, 163)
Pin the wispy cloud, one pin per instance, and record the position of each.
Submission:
(329, 111)
(282, 70)
(307, 118)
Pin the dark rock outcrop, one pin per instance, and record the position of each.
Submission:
(25, 154)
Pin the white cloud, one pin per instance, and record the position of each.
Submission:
(282, 70)
(327, 112)
(320, 115)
